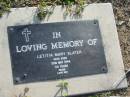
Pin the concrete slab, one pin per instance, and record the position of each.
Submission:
(81, 85)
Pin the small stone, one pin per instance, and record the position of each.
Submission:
(128, 24)
(119, 23)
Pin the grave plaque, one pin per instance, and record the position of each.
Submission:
(52, 51)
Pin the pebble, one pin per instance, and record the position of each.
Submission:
(128, 24)
(119, 23)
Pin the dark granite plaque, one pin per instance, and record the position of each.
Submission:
(52, 51)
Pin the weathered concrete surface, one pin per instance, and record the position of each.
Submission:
(81, 85)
